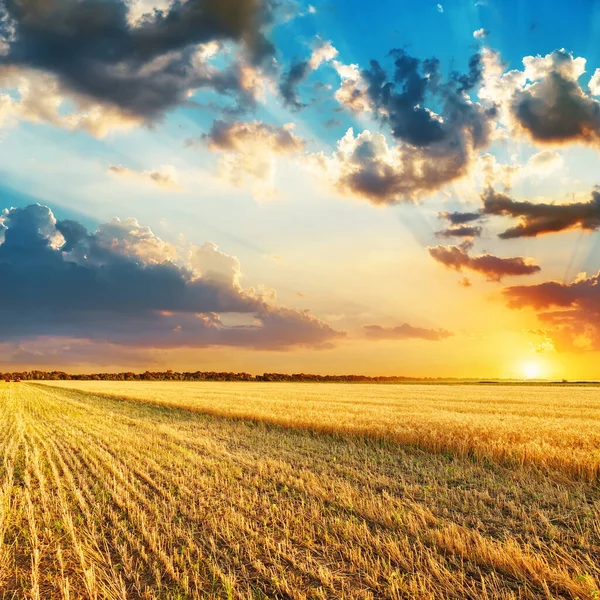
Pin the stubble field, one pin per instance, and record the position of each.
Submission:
(247, 490)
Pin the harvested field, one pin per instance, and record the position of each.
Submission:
(552, 427)
(151, 497)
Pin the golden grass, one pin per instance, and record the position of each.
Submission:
(552, 427)
(108, 499)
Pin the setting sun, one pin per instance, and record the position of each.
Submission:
(531, 370)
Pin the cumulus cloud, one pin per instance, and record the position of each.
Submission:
(38, 97)
(367, 167)
(352, 93)
(91, 50)
(249, 152)
(405, 332)
(401, 102)
(433, 148)
(300, 70)
(544, 100)
(594, 84)
(572, 310)
(541, 218)
(164, 177)
(493, 267)
(123, 284)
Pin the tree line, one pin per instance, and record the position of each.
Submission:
(200, 376)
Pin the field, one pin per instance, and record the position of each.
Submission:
(246, 490)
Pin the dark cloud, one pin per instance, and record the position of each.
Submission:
(572, 310)
(143, 68)
(460, 218)
(296, 74)
(555, 108)
(122, 284)
(458, 225)
(300, 70)
(493, 267)
(436, 146)
(537, 219)
(405, 332)
(465, 231)
(402, 102)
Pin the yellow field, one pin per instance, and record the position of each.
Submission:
(553, 427)
(108, 498)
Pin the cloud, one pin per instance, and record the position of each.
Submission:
(493, 267)
(440, 8)
(460, 231)
(365, 166)
(37, 97)
(544, 101)
(93, 52)
(433, 149)
(352, 93)
(572, 310)
(481, 34)
(123, 284)
(401, 102)
(405, 332)
(460, 218)
(554, 108)
(249, 152)
(459, 225)
(164, 177)
(300, 70)
(540, 218)
(594, 84)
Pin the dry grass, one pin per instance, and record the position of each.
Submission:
(104, 498)
(552, 427)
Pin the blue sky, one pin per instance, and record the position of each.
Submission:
(322, 219)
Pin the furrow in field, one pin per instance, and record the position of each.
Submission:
(87, 531)
(150, 514)
(488, 552)
(532, 430)
(123, 500)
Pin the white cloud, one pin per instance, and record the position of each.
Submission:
(250, 152)
(324, 52)
(352, 93)
(594, 83)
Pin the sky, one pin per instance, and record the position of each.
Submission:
(394, 188)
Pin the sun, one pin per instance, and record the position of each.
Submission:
(531, 370)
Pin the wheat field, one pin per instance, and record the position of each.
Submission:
(148, 490)
(553, 427)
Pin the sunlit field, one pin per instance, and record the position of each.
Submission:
(247, 490)
(553, 427)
